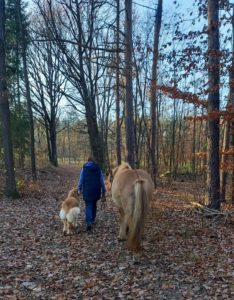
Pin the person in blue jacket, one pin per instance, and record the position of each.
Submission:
(91, 185)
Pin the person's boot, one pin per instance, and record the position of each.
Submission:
(88, 227)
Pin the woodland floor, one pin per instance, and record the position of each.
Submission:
(186, 256)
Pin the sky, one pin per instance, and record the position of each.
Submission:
(167, 4)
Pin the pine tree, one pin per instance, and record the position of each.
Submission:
(10, 186)
(23, 43)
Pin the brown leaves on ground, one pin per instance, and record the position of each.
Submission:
(185, 255)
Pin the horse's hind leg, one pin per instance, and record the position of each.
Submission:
(123, 226)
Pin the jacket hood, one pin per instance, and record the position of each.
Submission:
(89, 164)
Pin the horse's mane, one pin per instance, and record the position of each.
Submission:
(123, 166)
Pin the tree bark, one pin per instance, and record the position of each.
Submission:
(224, 160)
(94, 135)
(213, 102)
(48, 141)
(10, 184)
(118, 127)
(53, 142)
(194, 145)
(129, 127)
(153, 97)
(232, 104)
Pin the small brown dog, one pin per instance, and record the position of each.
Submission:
(69, 211)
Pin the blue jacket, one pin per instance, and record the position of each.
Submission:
(91, 182)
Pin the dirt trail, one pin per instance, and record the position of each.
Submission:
(185, 256)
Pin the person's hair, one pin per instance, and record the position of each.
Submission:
(91, 158)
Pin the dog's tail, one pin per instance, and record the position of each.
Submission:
(62, 214)
(73, 214)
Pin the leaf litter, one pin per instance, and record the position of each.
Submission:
(185, 256)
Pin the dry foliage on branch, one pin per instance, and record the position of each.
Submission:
(176, 93)
(226, 115)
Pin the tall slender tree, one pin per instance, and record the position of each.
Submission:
(19, 116)
(130, 139)
(27, 87)
(118, 128)
(231, 98)
(213, 103)
(153, 99)
(10, 186)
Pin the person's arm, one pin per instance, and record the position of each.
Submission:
(81, 181)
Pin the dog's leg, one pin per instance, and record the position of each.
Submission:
(64, 227)
(68, 228)
(76, 222)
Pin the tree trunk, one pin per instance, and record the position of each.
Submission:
(69, 141)
(28, 96)
(96, 143)
(153, 100)
(194, 145)
(118, 127)
(213, 102)
(130, 139)
(232, 104)
(10, 184)
(224, 160)
(48, 142)
(94, 135)
(53, 143)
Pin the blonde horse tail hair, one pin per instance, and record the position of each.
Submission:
(137, 219)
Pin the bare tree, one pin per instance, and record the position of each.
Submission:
(129, 123)
(77, 29)
(213, 102)
(118, 127)
(10, 185)
(47, 84)
(231, 98)
(153, 100)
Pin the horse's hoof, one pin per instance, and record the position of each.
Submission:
(121, 239)
(136, 258)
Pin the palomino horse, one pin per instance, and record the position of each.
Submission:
(132, 192)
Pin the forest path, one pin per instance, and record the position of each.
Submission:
(185, 256)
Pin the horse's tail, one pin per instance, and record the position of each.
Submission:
(137, 219)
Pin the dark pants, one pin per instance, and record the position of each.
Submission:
(90, 211)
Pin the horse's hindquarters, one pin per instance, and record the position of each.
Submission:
(131, 193)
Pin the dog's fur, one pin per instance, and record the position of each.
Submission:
(69, 211)
(132, 192)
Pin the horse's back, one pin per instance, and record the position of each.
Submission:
(125, 180)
